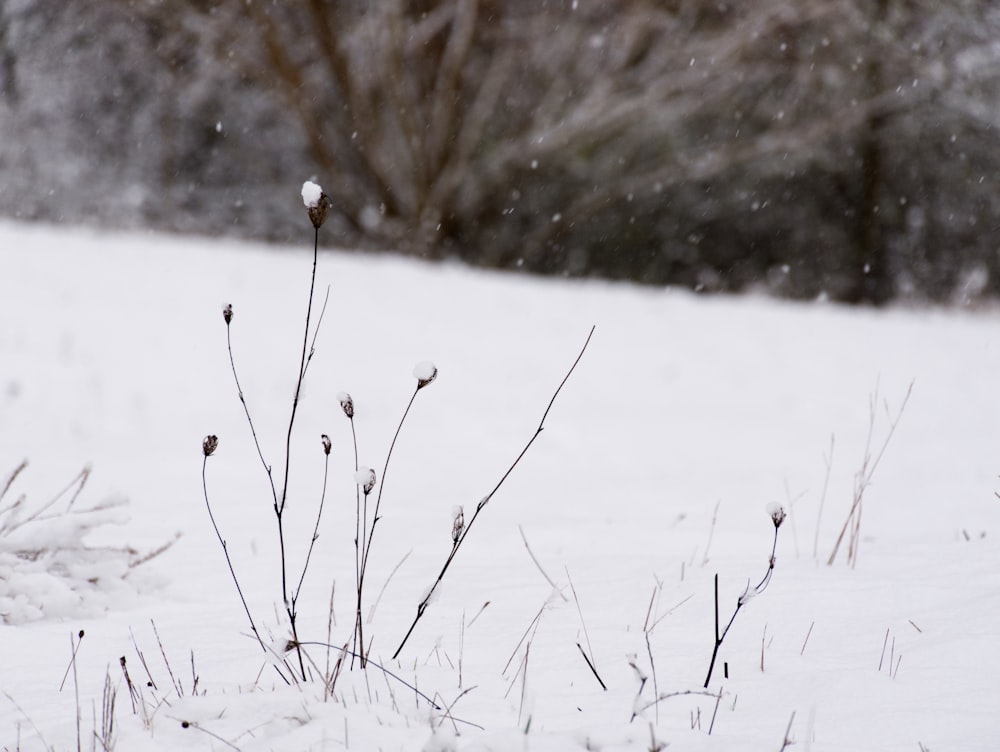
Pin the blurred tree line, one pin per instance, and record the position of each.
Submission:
(837, 148)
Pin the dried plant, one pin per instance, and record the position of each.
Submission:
(777, 513)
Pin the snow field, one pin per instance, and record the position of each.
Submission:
(112, 352)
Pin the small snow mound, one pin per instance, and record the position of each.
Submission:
(311, 194)
(49, 570)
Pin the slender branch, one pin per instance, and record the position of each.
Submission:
(868, 467)
(319, 515)
(13, 476)
(422, 606)
(246, 409)
(279, 507)
(225, 551)
(380, 667)
(366, 547)
(593, 670)
(381, 485)
(777, 517)
(360, 526)
(298, 383)
(669, 695)
(548, 579)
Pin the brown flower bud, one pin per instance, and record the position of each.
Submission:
(227, 313)
(327, 444)
(209, 444)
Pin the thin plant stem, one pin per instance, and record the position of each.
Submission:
(360, 526)
(301, 375)
(279, 507)
(229, 561)
(740, 602)
(315, 535)
(381, 485)
(246, 411)
(381, 668)
(366, 547)
(868, 468)
(422, 606)
(12, 477)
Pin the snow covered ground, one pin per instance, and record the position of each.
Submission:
(686, 417)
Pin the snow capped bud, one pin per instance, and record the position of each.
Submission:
(346, 404)
(777, 513)
(209, 444)
(327, 444)
(425, 372)
(317, 203)
(365, 477)
(457, 523)
(227, 313)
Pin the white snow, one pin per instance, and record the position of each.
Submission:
(425, 371)
(364, 477)
(728, 401)
(311, 194)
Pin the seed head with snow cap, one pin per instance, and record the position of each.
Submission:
(425, 372)
(317, 203)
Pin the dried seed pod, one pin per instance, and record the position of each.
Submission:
(777, 513)
(365, 477)
(317, 203)
(457, 523)
(425, 372)
(346, 404)
(227, 313)
(327, 444)
(209, 444)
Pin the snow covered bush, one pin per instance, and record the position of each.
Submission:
(48, 569)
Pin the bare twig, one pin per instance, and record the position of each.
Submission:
(828, 462)
(422, 606)
(192, 724)
(805, 641)
(225, 551)
(787, 741)
(583, 623)
(864, 476)
(319, 515)
(72, 659)
(12, 477)
(711, 532)
(590, 665)
(381, 668)
(365, 548)
(777, 517)
(537, 564)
